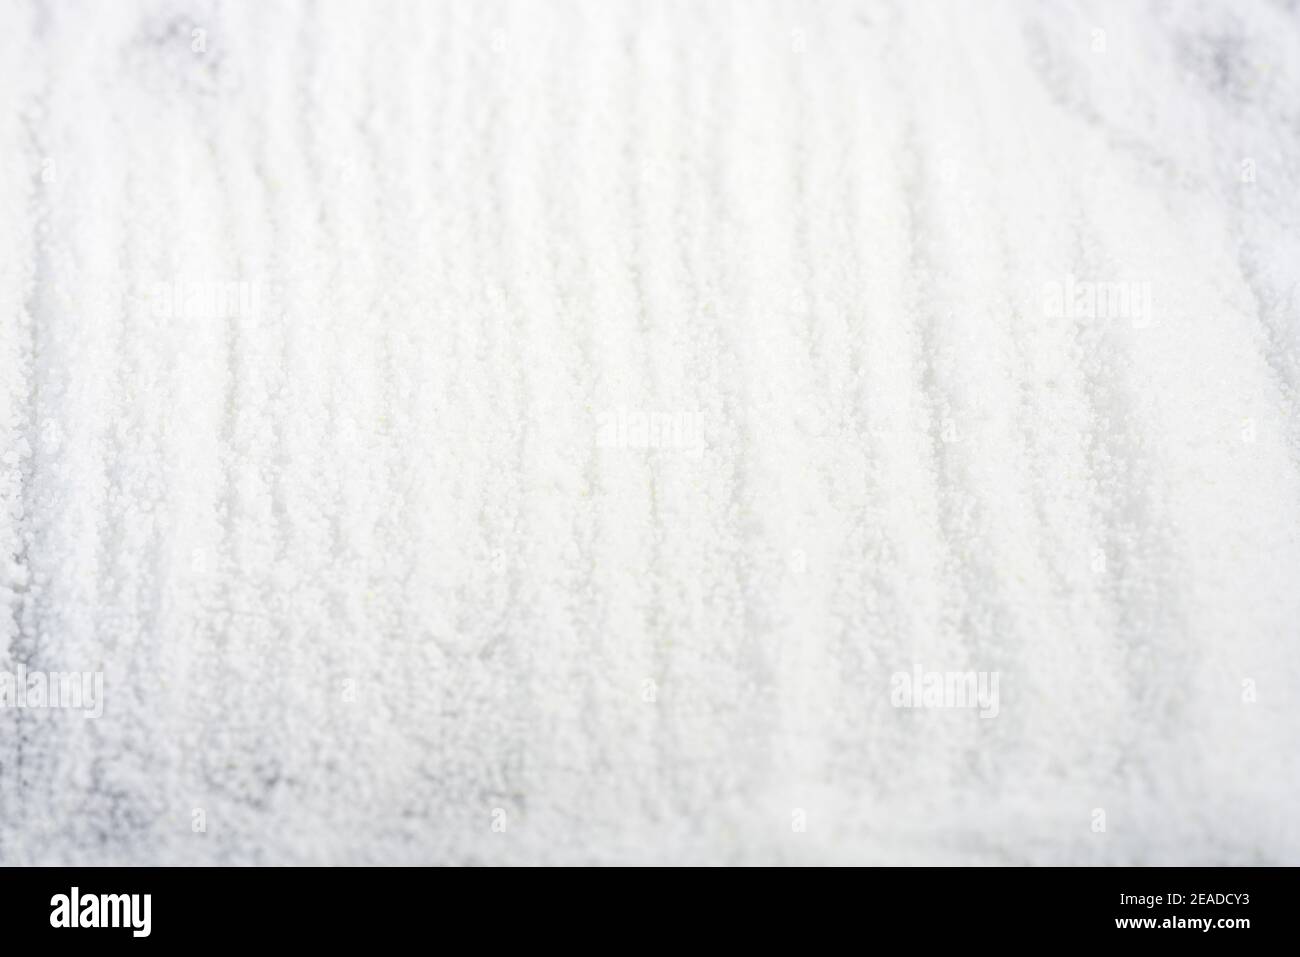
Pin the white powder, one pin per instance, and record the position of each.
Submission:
(536, 432)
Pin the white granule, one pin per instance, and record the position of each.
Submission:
(666, 432)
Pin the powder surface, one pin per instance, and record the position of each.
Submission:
(584, 432)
